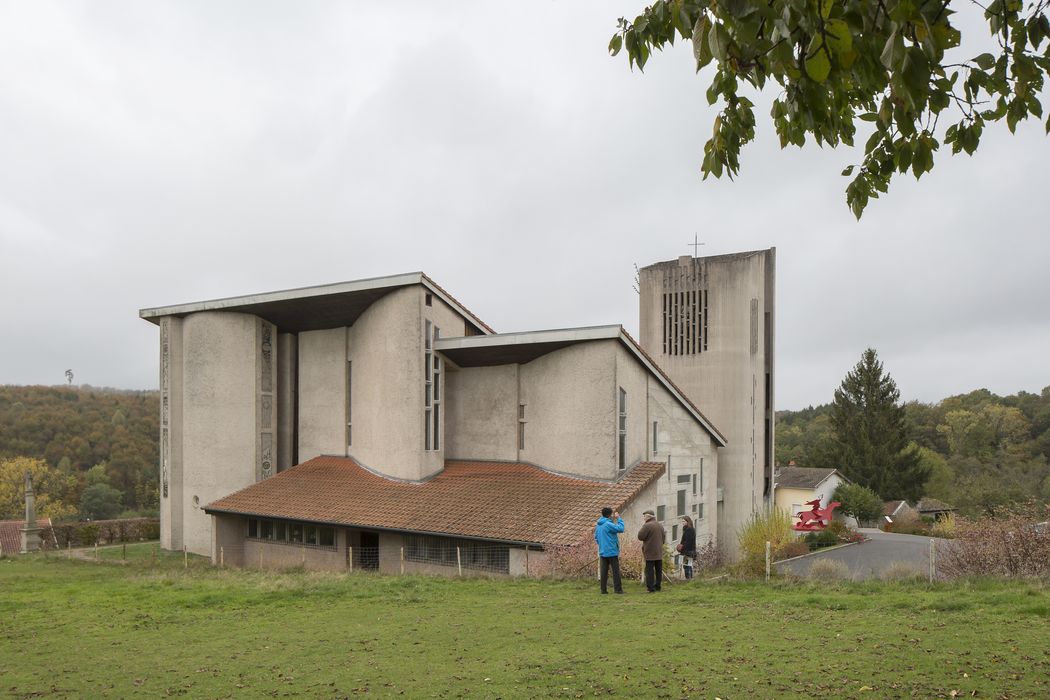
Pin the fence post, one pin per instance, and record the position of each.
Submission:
(526, 561)
(185, 558)
(933, 557)
(222, 557)
(69, 549)
(153, 556)
(350, 558)
(302, 558)
(124, 551)
(459, 562)
(96, 550)
(767, 560)
(402, 560)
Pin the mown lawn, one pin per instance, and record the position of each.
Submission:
(80, 629)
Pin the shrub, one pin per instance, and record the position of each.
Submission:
(102, 531)
(945, 527)
(828, 570)
(901, 571)
(909, 523)
(773, 526)
(709, 557)
(820, 539)
(795, 548)
(1011, 543)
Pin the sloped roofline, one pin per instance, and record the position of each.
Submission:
(581, 335)
(154, 314)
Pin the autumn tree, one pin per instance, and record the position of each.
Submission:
(52, 489)
(871, 435)
(898, 67)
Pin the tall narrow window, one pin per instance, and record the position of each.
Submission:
(660, 513)
(680, 509)
(694, 484)
(436, 381)
(655, 428)
(701, 476)
(349, 404)
(521, 426)
(622, 429)
(432, 370)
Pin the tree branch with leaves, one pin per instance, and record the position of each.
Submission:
(839, 62)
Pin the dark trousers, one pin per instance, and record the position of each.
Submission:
(654, 573)
(614, 564)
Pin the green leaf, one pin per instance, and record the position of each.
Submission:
(701, 50)
(818, 65)
(825, 7)
(718, 41)
(892, 51)
(615, 45)
(840, 41)
(985, 61)
(848, 171)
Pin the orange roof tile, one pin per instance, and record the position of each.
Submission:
(505, 501)
(11, 537)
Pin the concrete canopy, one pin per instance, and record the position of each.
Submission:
(314, 308)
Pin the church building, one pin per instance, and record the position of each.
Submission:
(380, 424)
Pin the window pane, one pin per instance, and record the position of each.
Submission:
(437, 387)
(681, 502)
(701, 515)
(660, 513)
(426, 430)
(310, 534)
(281, 531)
(295, 532)
(437, 426)
(674, 533)
(683, 478)
(266, 529)
(426, 336)
(327, 535)
(253, 527)
(694, 484)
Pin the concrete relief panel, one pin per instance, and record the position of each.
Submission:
(481, 419)
(322, 393)
(267, 418)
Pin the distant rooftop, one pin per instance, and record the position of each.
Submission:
(318, 307)
(803, 477)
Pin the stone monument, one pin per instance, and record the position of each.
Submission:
(29, 531)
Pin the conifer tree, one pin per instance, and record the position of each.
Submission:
(871, 434)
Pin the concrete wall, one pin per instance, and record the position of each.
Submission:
(481, 417)
(222, 373)
(727, 380)
(322, 393)
(171, 437)
(570, 407)
(227, 547)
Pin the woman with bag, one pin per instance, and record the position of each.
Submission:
(687, 546)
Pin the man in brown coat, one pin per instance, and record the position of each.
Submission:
(653, 537)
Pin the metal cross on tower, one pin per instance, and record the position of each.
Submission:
(696, 245)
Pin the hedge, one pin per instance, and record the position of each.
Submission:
(89, 532)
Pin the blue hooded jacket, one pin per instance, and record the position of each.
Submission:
(605, 535)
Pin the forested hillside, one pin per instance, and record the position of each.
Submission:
(984, 450)
(73, 429)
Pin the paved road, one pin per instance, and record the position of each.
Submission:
(869, 559)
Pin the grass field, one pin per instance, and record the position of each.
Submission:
(145, 629)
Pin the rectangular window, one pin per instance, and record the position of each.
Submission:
(266, 529)
(310, 534)
(349, 403)
(326, 536)
(437, 424)
(295, 532)
(660, 511)
(683, 478)
(622, 429)
(701, 476)
(426, 429)
(700, 515)
(521, 426)
(655, 424)
(680, 510)
(674, 533)
(432, 365)
(429, 299)
(281, 531)
(253, 527)
(694, 484)
(426, 334)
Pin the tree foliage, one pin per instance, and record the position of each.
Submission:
(862, 503)
(872, 445)
(52, 490)
(100, 501)
(76, 428)
(982, 451)
(887, 63)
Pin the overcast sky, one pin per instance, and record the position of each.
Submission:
(156, 153)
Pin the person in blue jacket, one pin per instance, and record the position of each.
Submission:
(605, 531)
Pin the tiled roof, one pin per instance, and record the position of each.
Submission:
(802, 477)
(504, 501)
(932, 505)
(891, 507)
(11, 538)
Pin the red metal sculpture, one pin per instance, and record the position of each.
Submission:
(817, 518)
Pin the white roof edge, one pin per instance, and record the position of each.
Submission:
(686, 404)
(462, 310)
(401, 280)
(556, 335)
